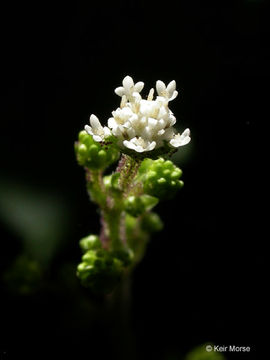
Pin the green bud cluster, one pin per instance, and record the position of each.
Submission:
(160, 178)
(100, 269)
(137, 205)
(90, 242)
(94, 155)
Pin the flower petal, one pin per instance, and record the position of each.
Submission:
(129, 145)
(112, 123)
(151, 146)
(94, 122)
(128, 82)
(107, 131)
(97, 138)
(161, 87)
(88, 129)
(174, 95)
(138, 86)
(120, 91)
(171, 87)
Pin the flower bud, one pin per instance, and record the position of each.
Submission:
(100, 270)
(92, 154)
(90, 242)
(161, 178)
(151, 222)
(136, 206)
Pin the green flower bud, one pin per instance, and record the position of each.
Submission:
(160, 178)
(136, 206)
(151, 222)
(94, 155)
(100, 270)
(90, 242)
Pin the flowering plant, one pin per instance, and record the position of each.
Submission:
(140, 134)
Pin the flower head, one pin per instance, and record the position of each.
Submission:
(141, 124)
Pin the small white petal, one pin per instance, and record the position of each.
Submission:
(139, 148)
(94, 122)
(151, 146)
(174, 95)
(171, 87)
(138, 86)
(161, 87)
(128, 82)
(88, 129)
(120, 91)
(186, 132)
(112, 123)
(97, 138)
(107, 131)
(172, 120)
(129, 144)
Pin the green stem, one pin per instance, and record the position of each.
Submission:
(128, 171)
(114, 217)
(112, 220)
(96, 187)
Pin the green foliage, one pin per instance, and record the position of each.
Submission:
(94, 155)
(160, 178)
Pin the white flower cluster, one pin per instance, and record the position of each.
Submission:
(139, 124)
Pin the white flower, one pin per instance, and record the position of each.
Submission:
(141, 124)
(129, 88)
(181, 139)
(168, 92)
(98, 132)
(139, 144)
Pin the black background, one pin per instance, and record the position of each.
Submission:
(203, 277)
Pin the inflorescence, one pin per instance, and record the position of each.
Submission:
(140, 134)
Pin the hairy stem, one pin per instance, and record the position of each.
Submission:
(113, 221)
(128, 168)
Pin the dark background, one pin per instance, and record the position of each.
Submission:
(203, 277)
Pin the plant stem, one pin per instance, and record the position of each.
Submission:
(114, 217)
(128, 168)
